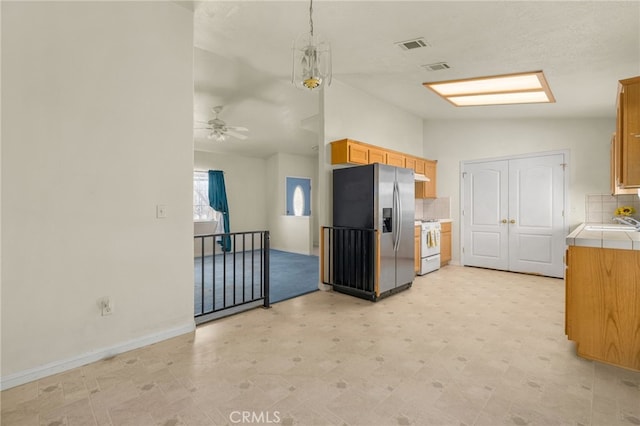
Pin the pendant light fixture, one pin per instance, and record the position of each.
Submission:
(311, 59)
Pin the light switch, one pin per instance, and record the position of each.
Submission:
(161, 211)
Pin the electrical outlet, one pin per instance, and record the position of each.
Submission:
(106, 306)
(161, 211)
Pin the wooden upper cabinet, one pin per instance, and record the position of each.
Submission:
(358, 154)
(349, 151)
(395, 159)
(628, 132)
(427, 189)
(377, 155)
(616, 168)
(410, 163)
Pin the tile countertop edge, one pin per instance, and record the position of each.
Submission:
(603, 239)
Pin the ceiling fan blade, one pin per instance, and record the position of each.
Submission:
(217, 136)
(238, 128)
(236, 134)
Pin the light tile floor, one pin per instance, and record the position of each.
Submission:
(463, 346)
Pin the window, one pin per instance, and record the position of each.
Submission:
(201, 209)
(298, 196)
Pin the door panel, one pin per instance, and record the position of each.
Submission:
(536, 203)
(534, 248)
(485, 238)
(486, 245)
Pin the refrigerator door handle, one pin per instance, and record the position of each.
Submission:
(399, 227)
(396, 219)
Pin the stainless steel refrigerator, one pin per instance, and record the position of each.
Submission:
(381, 198)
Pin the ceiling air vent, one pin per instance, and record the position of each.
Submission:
(437, 66)
(416, 43)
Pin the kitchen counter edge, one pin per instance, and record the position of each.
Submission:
(603, 239)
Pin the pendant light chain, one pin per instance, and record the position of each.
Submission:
(311, 16)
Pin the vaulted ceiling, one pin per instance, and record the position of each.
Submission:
(243, 59)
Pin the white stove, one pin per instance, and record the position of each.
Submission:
(429, 247)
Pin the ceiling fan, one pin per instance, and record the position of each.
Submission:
(220, 131)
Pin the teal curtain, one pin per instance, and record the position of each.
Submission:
(218, 202)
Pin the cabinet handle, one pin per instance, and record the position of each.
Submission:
(512, 221)
(637, 135)
(504, 221)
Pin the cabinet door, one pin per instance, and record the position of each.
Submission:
(410, 163)
(419, 166)
(568, 301)
(358, 154)
(430, 172)
(616, 168)
(394, 159)
(445, 243)
(630, 132)
(416, 248)
(376, 156)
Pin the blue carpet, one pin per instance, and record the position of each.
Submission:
(291, 275)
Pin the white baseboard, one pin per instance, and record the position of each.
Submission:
(26, 376)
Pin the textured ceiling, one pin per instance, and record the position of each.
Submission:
(243, 59)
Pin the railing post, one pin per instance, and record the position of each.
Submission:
(266, 269)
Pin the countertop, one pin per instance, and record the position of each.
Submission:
(419, 221)
(604, 239)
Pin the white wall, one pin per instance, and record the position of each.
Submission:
(290, 233)
(453, 141)
(351, 113)
(97, 110)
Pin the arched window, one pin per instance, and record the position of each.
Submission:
(298, 196)
(298, 201)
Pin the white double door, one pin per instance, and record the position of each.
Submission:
(513, 214)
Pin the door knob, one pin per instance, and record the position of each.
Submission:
(504, 220)
(512, 221)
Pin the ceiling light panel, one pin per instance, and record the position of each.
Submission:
(500, 99)
(495, 90)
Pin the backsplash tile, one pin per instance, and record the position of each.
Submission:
(437, 208)
(419, 209)
(600, 208)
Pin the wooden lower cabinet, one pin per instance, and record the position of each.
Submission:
(416, 245)
(602, 304)
(445, 243)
